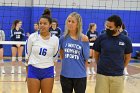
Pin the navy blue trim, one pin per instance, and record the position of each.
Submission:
(26, 47)
(56, 53)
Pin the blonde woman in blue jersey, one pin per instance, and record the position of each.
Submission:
(74, 54)
(41, 49)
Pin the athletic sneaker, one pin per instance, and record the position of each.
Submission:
(88, 71)
(54, 73)
(125, 71)
(93, 72)
(2, 72)
(12, 72)
(19, 70)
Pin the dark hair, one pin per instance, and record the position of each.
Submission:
(47, 15)
(123, 26)
(47, 12)
(15, 24)
(116, 19)
(55, 21)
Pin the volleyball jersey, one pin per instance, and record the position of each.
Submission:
(41, 53)
(2, 35)
(92, 35)
(17, 35)
(55, 32)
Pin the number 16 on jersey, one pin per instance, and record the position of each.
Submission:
(43, 51)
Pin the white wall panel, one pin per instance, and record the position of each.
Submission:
(16, 2)
(90, 4)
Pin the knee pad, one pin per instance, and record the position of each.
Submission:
(13, 58)
(19, 58)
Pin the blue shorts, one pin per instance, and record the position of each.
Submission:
(40, 73)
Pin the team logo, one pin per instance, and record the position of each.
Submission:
(121, 43)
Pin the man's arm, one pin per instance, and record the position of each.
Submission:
(127, 58)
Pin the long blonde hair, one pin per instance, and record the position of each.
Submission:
(79, 24)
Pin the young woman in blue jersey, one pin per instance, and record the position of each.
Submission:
(74, 54)
(17, 34)
(42, 49)
(2, 38)
(55, 30)
(112, 54)
(92, 35)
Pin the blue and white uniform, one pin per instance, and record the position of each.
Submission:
(17, 35)
(75, 54)
(2, 37)
(56, 32)
(41, 55)
(92, 35)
